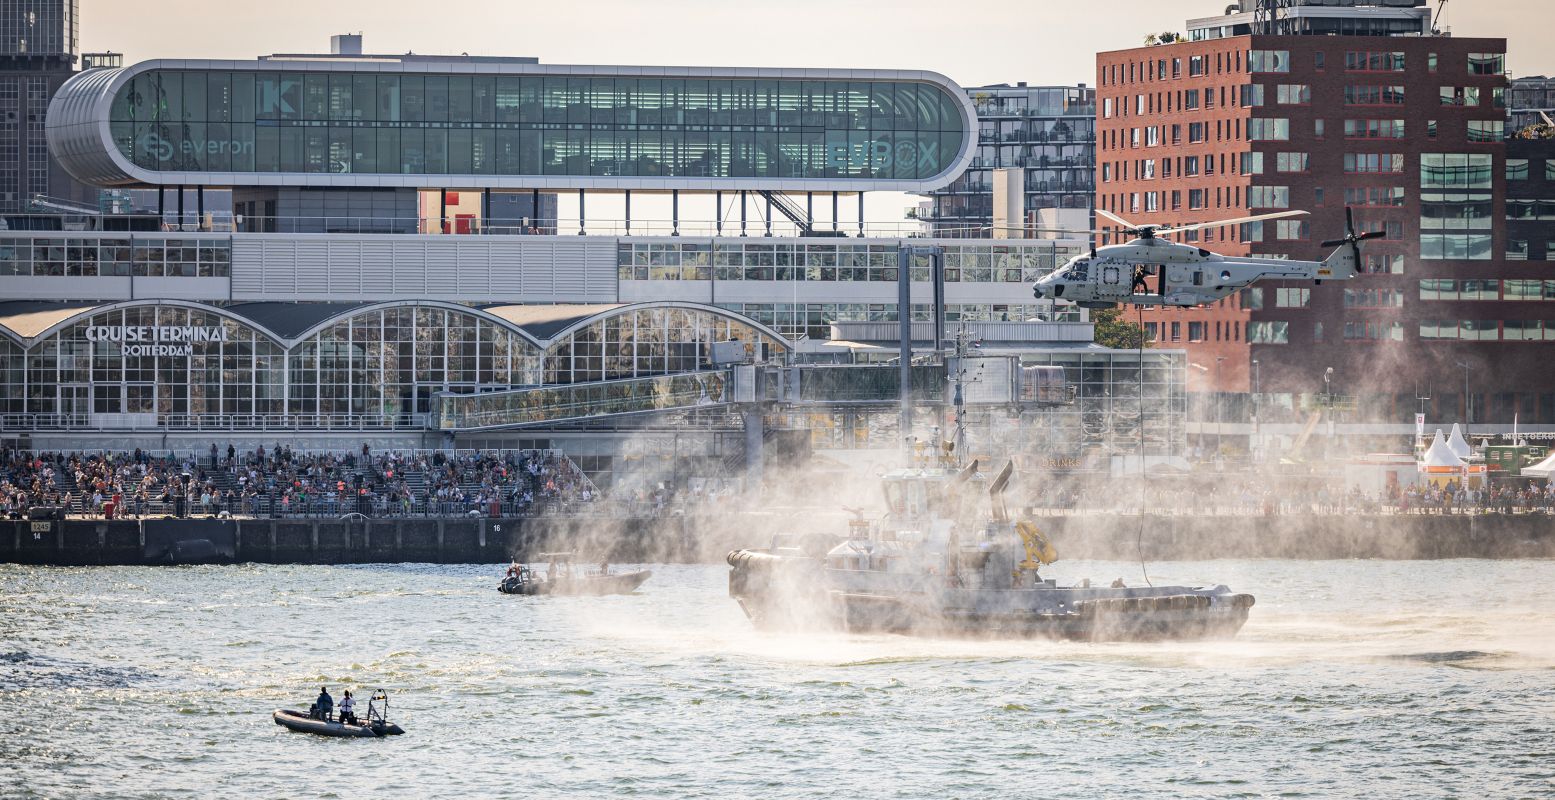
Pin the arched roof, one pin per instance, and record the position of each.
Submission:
(288, 324)
(605, 312)
(35, 320)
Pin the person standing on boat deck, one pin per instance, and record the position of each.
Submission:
(348, 709)
(325, 704)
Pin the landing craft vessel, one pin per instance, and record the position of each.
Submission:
(936, 565)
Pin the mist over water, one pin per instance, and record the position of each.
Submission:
(1351, 678)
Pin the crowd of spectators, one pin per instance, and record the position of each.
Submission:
(283, 482)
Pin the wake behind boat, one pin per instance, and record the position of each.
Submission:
(560, 578)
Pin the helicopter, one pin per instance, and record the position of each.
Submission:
(1151, 271)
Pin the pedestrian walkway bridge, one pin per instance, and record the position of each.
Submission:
(1001, 381)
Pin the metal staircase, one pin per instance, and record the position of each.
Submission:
(789, 209)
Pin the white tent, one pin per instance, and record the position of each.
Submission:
(1457, 443)
(1440, 456)
(1543, 469)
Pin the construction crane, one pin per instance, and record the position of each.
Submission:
(1436, 22)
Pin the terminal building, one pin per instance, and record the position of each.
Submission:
(394, 271)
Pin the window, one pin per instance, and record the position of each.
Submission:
(1373, 298)
(1292, 298)
(1252, 299)
(1373, 263)
(1294, 94)
(1252, 163)
(1152, 201)
(1430, 62)
(1318, 128)
(1268, 332)
(1153, 136)
(1190, 99)
(1252, 95)
(1268, 130)
(1196, 65)
(1363, 61)
(1197, 131)
(1268, 61)
(1456, 171)
(1374, 331)
(1487, 63)
(1107, 108)
(1291, 162)
(1460, 96)
(1374, 196)
(1268, 197)
(1176, 331)
(1517, 250)
(1482, 130)
(1319, 60)
(1195, 331)
(1373, 129)
(1190, 166)
(1292, 229)
(1373, 95)
(1195, 198)
(1364, 163)
(1549, 169)
(1455, 246)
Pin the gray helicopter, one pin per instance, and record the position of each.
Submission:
(1151, 271)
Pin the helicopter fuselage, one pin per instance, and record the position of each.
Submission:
(1156, 272)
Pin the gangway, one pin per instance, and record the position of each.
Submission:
(551, 405)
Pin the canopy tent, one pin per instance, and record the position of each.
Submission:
(1459, 446)
(1543, 469)
(1439, 457)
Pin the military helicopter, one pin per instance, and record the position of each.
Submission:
(1151, 271)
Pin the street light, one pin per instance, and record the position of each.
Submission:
(1216, 390)
(1328, 402)
(1468, 402)
(1257, 385)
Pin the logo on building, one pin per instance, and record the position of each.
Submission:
(156, 340)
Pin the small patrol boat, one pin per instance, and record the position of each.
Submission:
(561, 579)
(373, 724)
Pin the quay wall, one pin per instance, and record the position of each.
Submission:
(708, 539)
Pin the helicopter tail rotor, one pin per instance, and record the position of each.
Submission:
(1352, 238)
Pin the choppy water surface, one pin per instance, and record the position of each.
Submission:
(1379, 679)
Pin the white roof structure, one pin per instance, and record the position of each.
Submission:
(1543, 469)
(1459, 446)
(1440, 455)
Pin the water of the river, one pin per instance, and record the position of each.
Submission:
(1351, 679)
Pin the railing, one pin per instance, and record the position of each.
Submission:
(519, 407)
(755, 224)
(215, 422)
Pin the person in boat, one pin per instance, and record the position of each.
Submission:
(348, 709)
(604, 567)
(513, 570)
(323, 706)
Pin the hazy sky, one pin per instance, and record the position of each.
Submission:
(972, 41)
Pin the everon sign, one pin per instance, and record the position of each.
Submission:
(156, 340)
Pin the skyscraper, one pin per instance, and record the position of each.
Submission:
(39, 45)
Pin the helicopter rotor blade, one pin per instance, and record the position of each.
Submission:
(1102, 212)
(1349, 221)
(1371, 235)
(1235, 221)
(1333, 242)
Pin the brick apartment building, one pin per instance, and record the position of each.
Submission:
(1408, 131)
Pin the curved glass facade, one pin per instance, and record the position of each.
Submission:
(389, 362)
(647, 342)
(163, 365)
(167, 360)
(402, 123)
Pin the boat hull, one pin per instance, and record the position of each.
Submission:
(791, 593)
(302, 723)
(622, 583)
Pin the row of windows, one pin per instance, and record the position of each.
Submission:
(798, 262)
(87, 257)
(1228, 331)
(1522, 169)
(1485, 64)
(1489, 330)
(1486, 289)
(484, 125)
(814, 320)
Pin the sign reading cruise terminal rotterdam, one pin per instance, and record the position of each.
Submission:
(156, 340)
(531, 126)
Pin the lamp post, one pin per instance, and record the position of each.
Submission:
(1328, 403)
(1257, 385)
(1203, 369)
(1468, 402)
(1216, 389)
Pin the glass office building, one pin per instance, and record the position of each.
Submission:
(280, 122)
